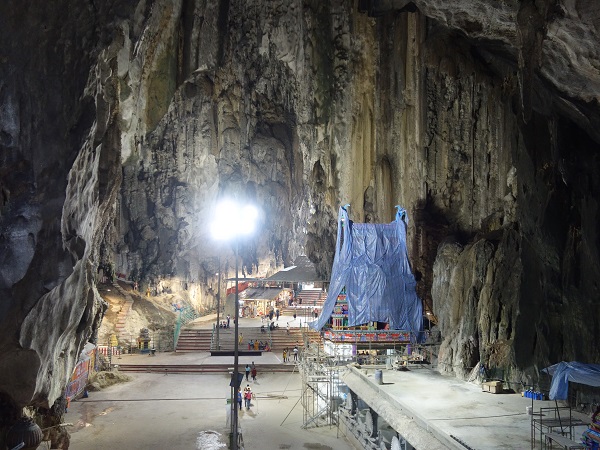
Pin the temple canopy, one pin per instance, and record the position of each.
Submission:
(371, 262)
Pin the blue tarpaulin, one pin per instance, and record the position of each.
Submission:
(371, 261)
(563, 372)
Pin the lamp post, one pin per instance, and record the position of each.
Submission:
(219, 305)
(233, 221)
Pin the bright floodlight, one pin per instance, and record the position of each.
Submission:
(233, 220)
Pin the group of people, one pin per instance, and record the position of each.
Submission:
(251, 371)
(287, 352)
(291, 301)
(225, 323)
(258, 345)
(246, 396)
(269, 316)
(272, 327)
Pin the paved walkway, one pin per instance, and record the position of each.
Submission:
(435, 412)
(190, 412)
(183, 358)
(456, 413)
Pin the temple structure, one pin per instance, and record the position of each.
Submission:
(372, 298)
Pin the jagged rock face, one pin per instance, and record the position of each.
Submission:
(59, 180)
(257, 125)
(483, 128)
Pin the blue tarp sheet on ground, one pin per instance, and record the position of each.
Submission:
(372, 263)
(563, 372)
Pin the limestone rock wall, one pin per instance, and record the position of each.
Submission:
(135, 117)
(59, 176)
(261, 117)
(499, 219)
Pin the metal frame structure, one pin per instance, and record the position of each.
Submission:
(320, 387)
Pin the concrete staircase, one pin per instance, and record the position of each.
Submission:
(227, 338)
(199, 340)
(311, 299)
(314, 337)
(280, 339)
(126, 307)
(194, 340)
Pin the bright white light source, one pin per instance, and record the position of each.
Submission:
(232, 220)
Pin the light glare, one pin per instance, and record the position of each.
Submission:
(232, 220)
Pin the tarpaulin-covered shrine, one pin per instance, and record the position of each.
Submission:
(371, 279)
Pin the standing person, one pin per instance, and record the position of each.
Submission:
(253, 372)
(285, 354)
(247, 396)
(239, 397)
(287, 327)
(228, 319)
(241, 338)
(295, 352)
(247, 371)
(277, 314)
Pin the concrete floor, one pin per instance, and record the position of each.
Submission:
(455, 413)
(156, 411)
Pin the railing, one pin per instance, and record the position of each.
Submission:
(270, 337)
(186, 315)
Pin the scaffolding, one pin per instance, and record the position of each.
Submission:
(321, 393)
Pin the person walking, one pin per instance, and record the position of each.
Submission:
(285, 354)
(287, 327)
(247, 371)
(295, 352)
(247, 396)
(253, 373)
(277, 314)
(241, 338)
(239, 397)
(228, 319)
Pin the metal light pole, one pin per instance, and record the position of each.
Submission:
(236, 355)
(219, 306)
(231, 222)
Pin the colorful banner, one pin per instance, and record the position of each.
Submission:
(79, 379)
(366, 336)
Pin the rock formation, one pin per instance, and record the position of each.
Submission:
(122, 123)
